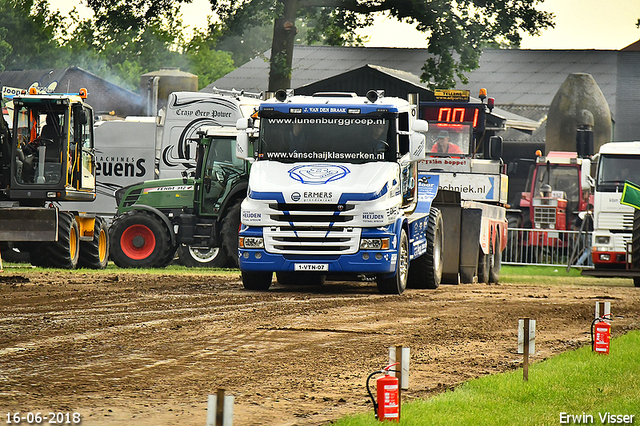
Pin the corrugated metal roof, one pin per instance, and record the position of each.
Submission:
(525, 77)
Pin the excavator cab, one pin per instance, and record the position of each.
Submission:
(52, 149)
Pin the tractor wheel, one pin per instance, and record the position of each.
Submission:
(260, 281)
(229, 232)
(398, 283)
(63, 253)
(213, 257)
(426, 270)
(140, 240)
(94, 254)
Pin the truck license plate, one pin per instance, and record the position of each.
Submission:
(311, 267)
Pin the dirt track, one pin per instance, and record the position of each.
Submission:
(126, 349)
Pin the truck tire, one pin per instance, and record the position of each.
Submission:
(94, 254)
(140, 240)
(496, 261)
(426, 270)
(298, 279)
(63, 253)
(260, 281)
(213, 257)
(398, 283)
(229, 232)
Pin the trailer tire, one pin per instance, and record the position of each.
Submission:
(214, 257)
(140, 240)
(496, 261)
(426, 270)
(398, 283)
(63, 253)
(260, 281)
(229, 232)
(94, 254)
(299, 279)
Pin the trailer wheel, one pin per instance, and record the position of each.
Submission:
(140, 240)
(94, 254)
(496, 261)
(212, 257)
(426, 270)
(298, 279)
(260, 280)
(229, 232)
(398, 283)
(63, 253)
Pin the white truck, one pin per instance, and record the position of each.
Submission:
(335, 192)
(614, 222)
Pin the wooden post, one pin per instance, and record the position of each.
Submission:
(525, 364)
(219, 407)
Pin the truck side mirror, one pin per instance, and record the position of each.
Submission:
(417, 147)
(494, 149)
(242, 145)
(420, 126)
(585, 174)
(244, 123)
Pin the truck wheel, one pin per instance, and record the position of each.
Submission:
(636, 281)
(213, 257)
(140, 240)
(229, 232)
(257, 280)
(298, 279)
(426, 270)
(94, 254)
(63, 253)
(496, 262)
(398, 283)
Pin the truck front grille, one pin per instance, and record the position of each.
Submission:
(311, 229)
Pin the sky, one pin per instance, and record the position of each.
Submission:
(580, 24)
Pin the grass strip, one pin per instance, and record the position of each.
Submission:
(578, 383)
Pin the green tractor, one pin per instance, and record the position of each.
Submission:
(198, 216)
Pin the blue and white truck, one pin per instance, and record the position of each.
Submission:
(335, 193)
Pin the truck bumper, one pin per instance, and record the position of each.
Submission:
(363, 262)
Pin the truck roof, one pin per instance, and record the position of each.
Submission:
(620, 148)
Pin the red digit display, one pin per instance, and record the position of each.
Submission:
(454, 114)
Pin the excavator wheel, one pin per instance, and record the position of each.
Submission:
(94, 254)
(140, 240)
(63, 253)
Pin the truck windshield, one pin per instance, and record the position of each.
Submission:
(614, 170)
(326, 138)
(448, 138)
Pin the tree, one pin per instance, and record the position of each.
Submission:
(456, 31)
(29, 31)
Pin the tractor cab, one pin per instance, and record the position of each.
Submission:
(52, 154)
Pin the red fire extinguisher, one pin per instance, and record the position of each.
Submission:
(387, 406)
(600, 335)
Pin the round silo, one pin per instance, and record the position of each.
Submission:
(157, 85)
(579, 103)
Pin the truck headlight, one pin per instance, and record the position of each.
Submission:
(250, 242)
(603, 239)
(374, 244)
